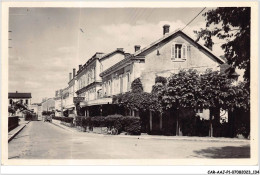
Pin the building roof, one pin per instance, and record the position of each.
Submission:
(127, 60)
(118, 50)
(19, 95)
(97, 55)
(172, 35)
(140, 54)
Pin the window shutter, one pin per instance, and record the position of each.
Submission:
(173, 51)
(184, 51)
(188, 51)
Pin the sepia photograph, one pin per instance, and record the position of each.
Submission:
(139, 82)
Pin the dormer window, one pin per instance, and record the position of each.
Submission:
(179, 52)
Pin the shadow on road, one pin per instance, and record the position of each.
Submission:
(225, 152)
(17, 137)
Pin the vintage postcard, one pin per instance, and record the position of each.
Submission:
(133, 83)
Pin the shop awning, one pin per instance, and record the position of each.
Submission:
(71, 108)
(100, 101)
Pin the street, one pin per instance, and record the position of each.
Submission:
(43, 140)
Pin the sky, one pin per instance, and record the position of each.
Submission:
(47, 43)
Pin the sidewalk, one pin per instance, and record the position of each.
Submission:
(57, 123)
(16, 130)
(158, 137)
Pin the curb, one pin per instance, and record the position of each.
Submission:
(158, 138)
(15, 134)
(188, 139)
(62, 127)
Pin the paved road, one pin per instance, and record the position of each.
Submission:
(40, 140)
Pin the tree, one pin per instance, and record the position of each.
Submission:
(233, 25)
(16, 106)
(182, 92)
(220, 93)
(136, 99)
(137, 86)
(216, 89)
(11, 110)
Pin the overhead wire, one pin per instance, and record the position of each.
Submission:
(193, 18)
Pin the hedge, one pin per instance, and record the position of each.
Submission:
(128, 124)
(47, 112)
(29, 115)
(64, 119)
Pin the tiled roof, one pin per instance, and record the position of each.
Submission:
(19, 95)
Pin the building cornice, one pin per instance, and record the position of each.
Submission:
(88, 87)
(120, 63)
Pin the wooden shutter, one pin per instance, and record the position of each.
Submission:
(184, 51)
(173, 51)
(188, 51)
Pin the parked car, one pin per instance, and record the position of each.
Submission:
(48, 118)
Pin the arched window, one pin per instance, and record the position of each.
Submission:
(99, 93)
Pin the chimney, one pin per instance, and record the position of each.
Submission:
(120, 49)
(137, 47)
(74, 72)
(70, 76)
(166, 29)
(80, 66)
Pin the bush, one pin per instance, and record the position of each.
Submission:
(137, 86)
(129, 124)
(97, 121)
(67, 119)
(78, 120)
(28, 115)
(160, 79)
(64, 119)
(56, 118)
(111, 120)
(47, 112)
(132, 125)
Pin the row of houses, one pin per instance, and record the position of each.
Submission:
(93, 85)
(24, 99)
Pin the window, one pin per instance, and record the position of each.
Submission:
(179, 52)
(121, 83)
(87, 96)
(105, 89)
(10, 101)
(86, 79)
(99, 93)
(26, 102)
(93, 74)
(116, 87)
(109, 88)
(128, 81)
